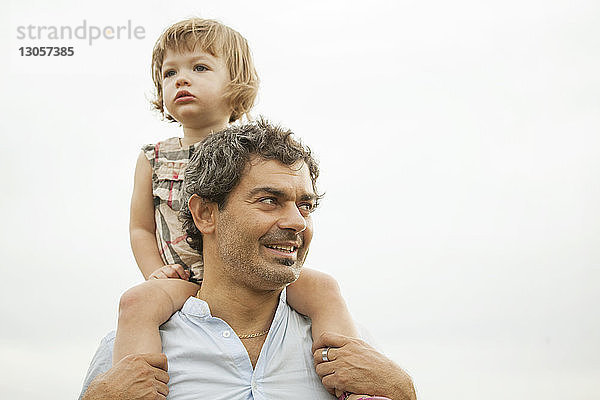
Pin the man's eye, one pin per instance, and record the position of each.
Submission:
(307, 207)
(200, 68)
(268, 200)
(169, 73)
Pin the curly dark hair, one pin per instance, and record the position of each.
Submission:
(220, 160)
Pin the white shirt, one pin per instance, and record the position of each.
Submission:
(208, 360)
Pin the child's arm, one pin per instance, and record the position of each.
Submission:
(143, 309)
(318, 296)
(141, 223)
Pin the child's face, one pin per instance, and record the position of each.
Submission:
(194, 84)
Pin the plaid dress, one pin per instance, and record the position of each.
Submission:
(168, 161)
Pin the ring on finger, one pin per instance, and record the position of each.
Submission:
(325, 354)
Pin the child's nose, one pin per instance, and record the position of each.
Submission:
(182, 80)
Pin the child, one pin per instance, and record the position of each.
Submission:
(205, 77)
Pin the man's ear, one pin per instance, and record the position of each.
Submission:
(203, 213)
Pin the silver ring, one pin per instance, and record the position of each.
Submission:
(324, 353)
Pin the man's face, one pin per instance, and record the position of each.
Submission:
(265, 228)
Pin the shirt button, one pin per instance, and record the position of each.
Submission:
(226, 334)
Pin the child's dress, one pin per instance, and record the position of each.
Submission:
(168, 160)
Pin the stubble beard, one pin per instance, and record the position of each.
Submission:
(240, 255)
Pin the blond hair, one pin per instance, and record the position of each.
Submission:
(220, 41)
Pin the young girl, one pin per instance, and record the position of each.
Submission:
(205, 78)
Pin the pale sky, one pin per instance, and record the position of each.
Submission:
(460, 154)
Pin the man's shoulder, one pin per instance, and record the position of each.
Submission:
(102, 360)
(109, 338)
(105, 350)
(108, 341)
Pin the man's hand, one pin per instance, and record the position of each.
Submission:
(135, 377)
(170, 271)
(356, 367)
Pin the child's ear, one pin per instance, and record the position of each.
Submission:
(203, 213)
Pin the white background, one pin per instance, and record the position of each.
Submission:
(459, 146)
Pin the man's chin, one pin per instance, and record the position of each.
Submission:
(288, 270)
(288, 262)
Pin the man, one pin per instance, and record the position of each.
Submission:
(254, 238)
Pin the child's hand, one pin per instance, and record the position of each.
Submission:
(170, 271)
(353, 365)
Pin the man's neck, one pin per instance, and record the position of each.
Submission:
(246, 310)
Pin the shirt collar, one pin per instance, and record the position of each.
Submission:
(199, 308)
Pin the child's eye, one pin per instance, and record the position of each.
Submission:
(200, 68)
(169, 73)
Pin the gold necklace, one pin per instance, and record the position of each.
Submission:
(247, 335)
(253, 335)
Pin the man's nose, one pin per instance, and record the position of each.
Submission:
(292, 218)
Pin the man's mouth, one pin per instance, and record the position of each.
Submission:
(282, 248)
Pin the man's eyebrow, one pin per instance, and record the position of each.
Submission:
(267, 189)
(308, 197)
(279, 193)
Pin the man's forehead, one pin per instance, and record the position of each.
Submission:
(272, 173)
